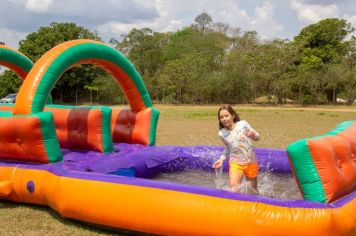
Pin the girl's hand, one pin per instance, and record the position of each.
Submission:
(252, 135)
(218, 164)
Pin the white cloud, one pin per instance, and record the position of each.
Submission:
(100, 12)
(311, 13)
(38, 6)
(111, 18)
(351, 19)
(11, 37)
(265, 12)
(264, 21)
(173, 16)
(115, 29)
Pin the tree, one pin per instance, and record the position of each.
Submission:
(181, 76)
(350, 84)
(9, 83)
(144, 48)
(247, 42)
(45, 38)
(324, 43)
(208, 53)
(335, 78)
(202, 22)
(107, 90)
(350, 64)
(222, 28)
(325, 39)
(268, 66)
(237, 78)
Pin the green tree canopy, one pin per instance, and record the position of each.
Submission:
(9, 83)
(324, 40)
(211, 62)
(322, 45)
(38, 43)
(144, 48)
(45, 38)
(202, 22)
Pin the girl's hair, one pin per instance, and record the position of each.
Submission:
(231, 110)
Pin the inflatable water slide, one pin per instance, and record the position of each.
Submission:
(95, 164)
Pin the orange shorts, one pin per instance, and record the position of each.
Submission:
(250, 170)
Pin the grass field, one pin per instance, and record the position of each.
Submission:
(186, 125)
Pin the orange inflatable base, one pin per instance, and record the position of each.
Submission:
(145, 206)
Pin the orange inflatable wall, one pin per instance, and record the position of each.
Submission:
(83, 128)
(325, 166)
(335, 160)
(131, 127)
(74, 132)
(29, 138)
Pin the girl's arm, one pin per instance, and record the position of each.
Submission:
(253, 134)
(226, 151)
(218, 164)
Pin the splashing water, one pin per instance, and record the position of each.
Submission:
(219, 181)
(275, 185)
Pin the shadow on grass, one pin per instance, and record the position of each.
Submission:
(80, 225)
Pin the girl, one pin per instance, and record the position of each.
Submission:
(236, 134)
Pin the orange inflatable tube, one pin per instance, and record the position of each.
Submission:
(157, 207)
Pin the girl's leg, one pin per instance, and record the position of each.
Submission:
(235, 180)
(251, 175)
(253, 182)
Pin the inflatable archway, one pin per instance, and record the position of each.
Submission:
(137, 125)
(21, 64)
(15, 61)
(76, 128)
(45, 73)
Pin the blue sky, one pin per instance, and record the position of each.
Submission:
(111, 18)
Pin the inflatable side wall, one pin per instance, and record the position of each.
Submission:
(29, 138)
(82, 128)
(134, 127)
(74, 132)
(325, 166)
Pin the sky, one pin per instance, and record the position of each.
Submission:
(111, 18)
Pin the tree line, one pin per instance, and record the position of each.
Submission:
(210, 62)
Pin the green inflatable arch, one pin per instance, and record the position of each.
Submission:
(15, 61)
(48, 69)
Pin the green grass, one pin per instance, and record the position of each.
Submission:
(194, 125)
(186, 125)
(199, 115)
